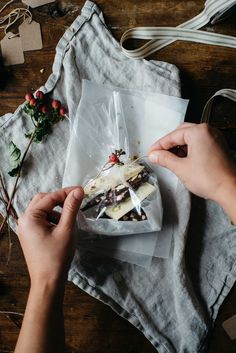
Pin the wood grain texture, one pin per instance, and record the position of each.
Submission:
(92, 327)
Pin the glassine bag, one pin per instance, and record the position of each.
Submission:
(122, 195)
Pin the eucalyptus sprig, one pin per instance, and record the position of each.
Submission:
(44, 114)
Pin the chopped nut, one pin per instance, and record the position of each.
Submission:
(119, 197)
(116, 208)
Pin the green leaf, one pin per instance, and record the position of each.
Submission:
(15, 159)
(15, 152)
(14, 171)
(44, 128)
(28, 109)
(28, 134)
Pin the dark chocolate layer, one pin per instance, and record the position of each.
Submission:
(118, 194)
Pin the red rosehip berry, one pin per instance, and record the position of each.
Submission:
(113, 158)
(56, 104)
(62, 111)
(33, 102)
(43, 109)
(39, 95)
(28, 97)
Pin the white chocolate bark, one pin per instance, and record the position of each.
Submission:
(116, 175)
(119, 210)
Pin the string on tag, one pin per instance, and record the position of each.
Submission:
(13, 16)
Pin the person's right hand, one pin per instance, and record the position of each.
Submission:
(208, 170)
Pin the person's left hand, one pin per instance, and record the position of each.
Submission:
(46, 236)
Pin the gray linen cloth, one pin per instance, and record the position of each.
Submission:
(175, 302)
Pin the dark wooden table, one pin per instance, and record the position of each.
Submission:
(92, 327)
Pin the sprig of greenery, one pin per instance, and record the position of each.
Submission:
(44, 113)
(43, 117)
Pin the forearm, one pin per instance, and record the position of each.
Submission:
(42, 330)
(227, 199)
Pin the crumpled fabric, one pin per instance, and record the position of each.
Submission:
(174, 302)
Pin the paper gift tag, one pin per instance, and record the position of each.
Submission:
(36, 3)
(30, 35)
(230, 327)
(12, 52)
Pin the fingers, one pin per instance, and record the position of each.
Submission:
(186, 124)
(166, 159)
(54, 217)
(53, 199)
(71, 208)
(35, 199)
(174, 138)
(180, 151)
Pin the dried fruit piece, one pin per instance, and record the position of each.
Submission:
(113, 158)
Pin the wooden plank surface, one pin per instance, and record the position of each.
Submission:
(92, 327)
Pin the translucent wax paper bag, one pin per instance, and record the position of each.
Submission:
(121, 195)
(148, 116)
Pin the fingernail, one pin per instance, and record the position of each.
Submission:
(78, 193)
(153, 156)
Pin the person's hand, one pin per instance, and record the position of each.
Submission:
(207, 169)
(46, 236)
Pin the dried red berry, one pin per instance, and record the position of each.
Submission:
(39, 95)
(43, 109)
(62, 111)
(113, 158)
(28, 97)
(33, 102)
(56, 104)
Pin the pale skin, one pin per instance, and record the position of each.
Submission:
(47, 237)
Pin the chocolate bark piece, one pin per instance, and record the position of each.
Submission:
(119, 193)
(105, 182)
(117, 211)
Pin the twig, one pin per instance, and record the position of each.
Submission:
(10, 313)
(10, 244)
(5, 198)
(17, 180)
(9, 236)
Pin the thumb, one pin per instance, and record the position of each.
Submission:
(70, 208)
(166, 159)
